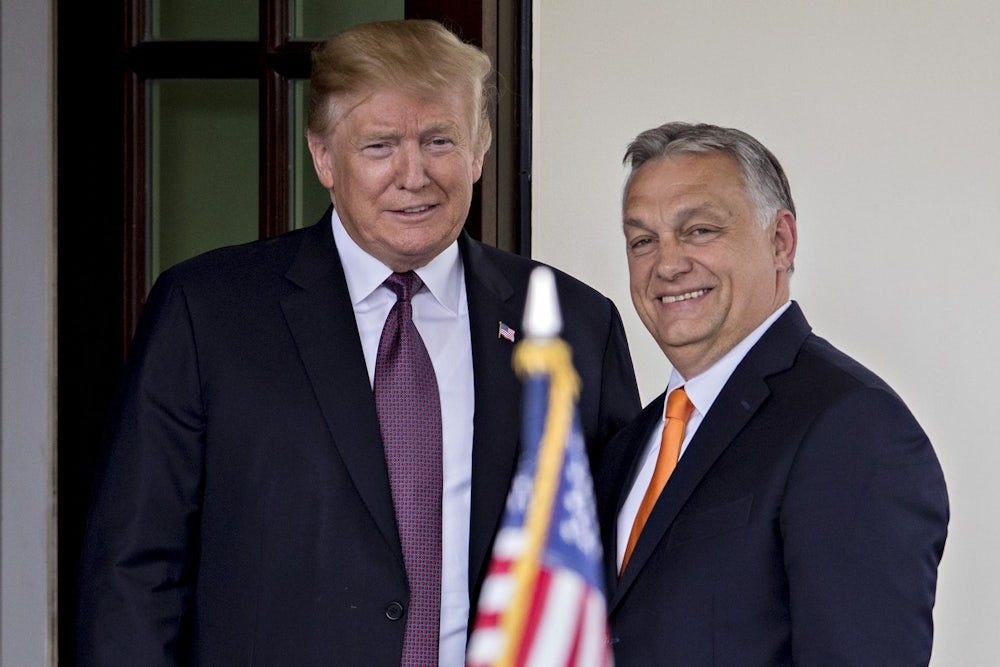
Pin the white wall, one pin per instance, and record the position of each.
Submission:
(886, 116)
(27, 297)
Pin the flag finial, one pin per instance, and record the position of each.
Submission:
(541, 309)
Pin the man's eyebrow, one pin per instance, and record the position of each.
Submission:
(707, 210)
(633, 222)
(377, 134)
(439, 128)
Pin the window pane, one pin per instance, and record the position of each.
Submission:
(203, 157)
(318, 19)
(200, 20)
(309, 197)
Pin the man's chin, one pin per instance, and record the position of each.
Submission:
(682, 342)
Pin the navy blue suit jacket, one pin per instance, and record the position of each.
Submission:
(242, 512)
(804, 523)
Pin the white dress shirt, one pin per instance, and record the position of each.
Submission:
(441, 315)
(702, 390)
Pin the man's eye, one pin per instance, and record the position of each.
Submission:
(701, 233)
(439, 143)
(377, 149)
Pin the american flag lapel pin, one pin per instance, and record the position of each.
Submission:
(505, 332)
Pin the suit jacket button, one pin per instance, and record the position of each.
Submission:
(394, 611)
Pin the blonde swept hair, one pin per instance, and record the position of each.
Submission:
(420, 57)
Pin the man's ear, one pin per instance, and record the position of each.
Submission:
(477, 168)
(786, 238)
(319, 147)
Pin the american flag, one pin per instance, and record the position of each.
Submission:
(543, 601)
(504, 331)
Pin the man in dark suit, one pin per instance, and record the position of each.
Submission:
(806, 516)
(246, 511)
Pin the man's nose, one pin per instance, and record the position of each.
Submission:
(411, 171)
(672, 260)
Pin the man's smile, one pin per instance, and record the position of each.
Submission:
(684, 297)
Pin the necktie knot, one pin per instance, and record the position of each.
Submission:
(405, 285)
(679, 405)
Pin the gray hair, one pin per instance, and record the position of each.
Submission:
(764, 179)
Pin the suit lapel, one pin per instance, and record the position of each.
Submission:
(633, 437)
(496, 424)
(321, 319)
(736, 404)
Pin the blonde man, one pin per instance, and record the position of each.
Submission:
(279, 487)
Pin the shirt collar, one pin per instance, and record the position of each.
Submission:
(703, 389)
(443, 276)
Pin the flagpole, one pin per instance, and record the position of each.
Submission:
(541, 352)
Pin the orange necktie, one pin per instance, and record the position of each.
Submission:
(679, 408)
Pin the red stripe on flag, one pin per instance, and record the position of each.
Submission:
(488, 619)
(501, 567)
(581, 615)
(535, 613)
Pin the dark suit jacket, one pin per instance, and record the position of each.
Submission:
(242, 514)
(804, 523)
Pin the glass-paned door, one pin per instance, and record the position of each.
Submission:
(309, 198)
(225, 154)
(216, 101)
(203, 155)
(318, 19)
(200, 20)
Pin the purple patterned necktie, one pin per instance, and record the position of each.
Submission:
(409, 414)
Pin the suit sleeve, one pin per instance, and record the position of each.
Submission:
(137, 567)
(619, 391)
(863, 522)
